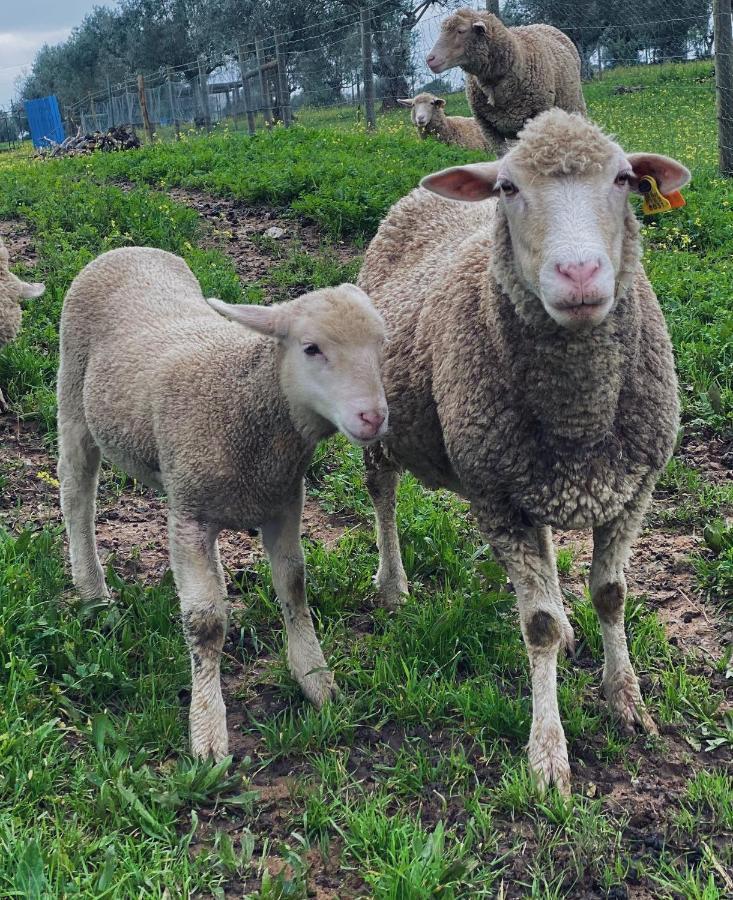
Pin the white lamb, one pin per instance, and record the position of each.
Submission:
(429, 118)
(12, 291)
(224, 419)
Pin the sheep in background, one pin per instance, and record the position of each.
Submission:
(430, 119)
(512, 74)
(529, 369)
(224, 417)
(12, 291)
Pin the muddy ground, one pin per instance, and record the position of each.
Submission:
(131, 534)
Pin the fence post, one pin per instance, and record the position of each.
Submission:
(264, 90)
(128, 101)
(246, 92)
(366, 67)
(110, 108)
(282, 82)
(724, 83)
(171, 104)
(204, 91)
(144, 107)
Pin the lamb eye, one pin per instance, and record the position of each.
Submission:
(312, 350)
(623, 178)
(507, 188)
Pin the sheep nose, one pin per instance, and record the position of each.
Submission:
(373, 419)
(580, 274)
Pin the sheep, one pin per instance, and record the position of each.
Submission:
(12, 291)
(429, 118)
(512, 73)
(223, 416)
(529, 369)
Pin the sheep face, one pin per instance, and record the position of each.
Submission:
(563, 190)
(332, 344)
(465, 37)
(423, 108)
(11, 287)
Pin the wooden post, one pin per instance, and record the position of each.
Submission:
(724, 83)
(246, 92)
(366, 67)
(264, 90)
(204, 89)
(94, 113)
(282, 82)
(128, 101)
(171, 103)
(110, 107)
(144, 107)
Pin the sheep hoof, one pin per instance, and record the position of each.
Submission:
(391, 594)
(319, 687)
(92, 590)
(626, 704)
(3, 404)
(548, 761)
(209, 740)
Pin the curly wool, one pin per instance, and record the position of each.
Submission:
(460, 131)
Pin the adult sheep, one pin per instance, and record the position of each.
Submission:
(12, 291)
(429, 117)
(513, 74)
(529, 369)
(224, 419)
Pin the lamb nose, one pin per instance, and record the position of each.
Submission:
(580, 273)
(430, 58)
(373, 419)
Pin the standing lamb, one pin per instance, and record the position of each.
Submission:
(224, 419)
(430, 119)
(513, 74)
(529, 369)
(12, 291)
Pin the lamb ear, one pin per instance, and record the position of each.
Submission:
(29, 290)
(471, 183)
(479, 27)
(439, 101)
(406, 102)
(268, 320)
(669, 174)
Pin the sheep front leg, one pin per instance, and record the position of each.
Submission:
(382, 478)
(531, 567)
(281, 540)
(199, 577)
(611, 548)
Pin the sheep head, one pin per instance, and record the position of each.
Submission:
(424, 107)
(467, 39)
(563, 191)
(332, 342)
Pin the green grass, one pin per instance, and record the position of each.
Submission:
(414, 780)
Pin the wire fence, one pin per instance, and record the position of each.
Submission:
(258, 82)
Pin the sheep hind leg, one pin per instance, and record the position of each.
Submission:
(611, 547)
(382, 478)
(199, 578)
(281, 540)
(524, 554)
(78, 471)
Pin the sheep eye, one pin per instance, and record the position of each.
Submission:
(623, 178)
(312, 350)
(507, 188)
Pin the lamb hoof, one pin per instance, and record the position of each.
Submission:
(210, 742)
(319, 688)
(548, 761)
(626, 704)
(92, 590)
(392, 594)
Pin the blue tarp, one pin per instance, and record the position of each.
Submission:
(44, 121)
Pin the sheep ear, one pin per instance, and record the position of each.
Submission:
(268, 320)
(29, 290)
(439, 101)
(406, 102)
(472, 183)
(667, 172)
(479, 27)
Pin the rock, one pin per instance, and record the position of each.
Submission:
(275, 232)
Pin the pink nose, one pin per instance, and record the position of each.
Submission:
(431, 59)
(372, 419)
(581, 274)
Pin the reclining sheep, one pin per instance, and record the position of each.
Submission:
(530, 370)
(224, 419)
(512, 73)
(12, 291)
(429, 118)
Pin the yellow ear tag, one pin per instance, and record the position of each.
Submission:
(654, 200)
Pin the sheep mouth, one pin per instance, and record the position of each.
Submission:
(588, 311)
(437, 66)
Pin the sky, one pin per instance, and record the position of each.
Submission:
(26, 25)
